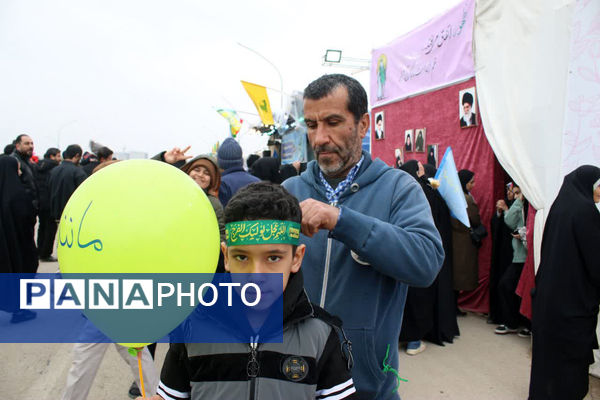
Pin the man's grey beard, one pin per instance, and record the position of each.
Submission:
(334, 168)
(331, 169)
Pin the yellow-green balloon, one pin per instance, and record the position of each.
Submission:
(138, 216)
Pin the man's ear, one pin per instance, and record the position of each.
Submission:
(298, 257)
(225, 256)
(363, 125)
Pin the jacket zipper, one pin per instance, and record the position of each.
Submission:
(252, 367)
(326, 269)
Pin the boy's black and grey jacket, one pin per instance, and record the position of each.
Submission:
(311, 363)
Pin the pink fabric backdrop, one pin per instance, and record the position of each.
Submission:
(438, 113)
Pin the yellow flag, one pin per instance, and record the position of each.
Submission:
(258, 95)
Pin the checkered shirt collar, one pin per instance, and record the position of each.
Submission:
(333, 195)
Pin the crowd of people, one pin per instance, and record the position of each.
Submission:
(336, 271)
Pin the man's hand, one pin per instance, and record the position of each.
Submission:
(317, 215)
(296, 164)
(501, 206)
(176, 154)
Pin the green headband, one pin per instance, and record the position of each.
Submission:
(243, 233)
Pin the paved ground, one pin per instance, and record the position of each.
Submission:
(478, 365)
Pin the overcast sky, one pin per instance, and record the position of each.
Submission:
(148, 75)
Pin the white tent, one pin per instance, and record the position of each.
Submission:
(538, 78)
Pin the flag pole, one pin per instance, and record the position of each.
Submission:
(272, 65)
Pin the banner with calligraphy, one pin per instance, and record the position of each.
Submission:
(434, 55)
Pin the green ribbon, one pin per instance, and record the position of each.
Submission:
(133, 351)
(388, 368)
(243, 233)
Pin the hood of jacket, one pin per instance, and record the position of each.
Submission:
(46, 164)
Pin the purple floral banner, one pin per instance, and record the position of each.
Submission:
(436, 54)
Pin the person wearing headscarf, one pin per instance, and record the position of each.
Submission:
(445, 326)
(502, 252)
(204, 171)
(103, 155)
(17, 220)
(509, 300)
(465, 253)
(431, 157)
(408, 142)
(567, 292)
(419, 142)
(267, 169)
(429, 312)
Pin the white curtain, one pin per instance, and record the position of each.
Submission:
(521, 66)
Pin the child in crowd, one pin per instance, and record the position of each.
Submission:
(310, 363)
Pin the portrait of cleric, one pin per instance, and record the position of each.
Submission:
(467, 107)
(379, 126)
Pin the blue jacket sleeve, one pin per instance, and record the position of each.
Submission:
(408, 248)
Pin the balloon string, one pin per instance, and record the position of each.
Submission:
(388, 368)
(139, 357)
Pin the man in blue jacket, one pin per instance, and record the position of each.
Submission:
(368, 229)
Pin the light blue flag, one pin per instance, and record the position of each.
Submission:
(450, 188)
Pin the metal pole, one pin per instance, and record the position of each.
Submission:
(60, 130)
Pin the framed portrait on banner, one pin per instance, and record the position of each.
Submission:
(398, 158)
(432, 154)
(379, 127)
(408, 141)
(467, 107)
(420, 140)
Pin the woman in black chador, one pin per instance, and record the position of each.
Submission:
(567, 293)
(429, 312)
(502, 252)
(17, 220)
(18, 253)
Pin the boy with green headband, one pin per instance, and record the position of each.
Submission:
(263, 226)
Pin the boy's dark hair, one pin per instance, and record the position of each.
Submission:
(71, 151)
(263, 200)
(52, 151)
(379, 118)
(323, 86)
